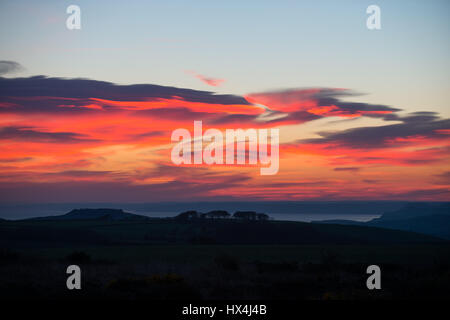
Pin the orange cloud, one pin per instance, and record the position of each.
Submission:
(91, 140)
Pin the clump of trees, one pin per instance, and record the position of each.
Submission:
(216, 214)
(192, 214)
(188, 215)
(250, 215)
(222, 214)
(227, 262)
(78, 257)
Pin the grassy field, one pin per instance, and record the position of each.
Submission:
(169, 231)
(203, 254)
(227, 272)
(187, 260)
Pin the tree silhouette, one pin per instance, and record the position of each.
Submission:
(245, 215)
(217, 214)
(188, 215)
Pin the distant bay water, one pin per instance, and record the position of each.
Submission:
(282, 211)
(302, 217)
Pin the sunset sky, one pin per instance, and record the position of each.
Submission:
(87, 115)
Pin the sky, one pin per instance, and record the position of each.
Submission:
(87, 115)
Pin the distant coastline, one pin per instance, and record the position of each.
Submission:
(280, 210)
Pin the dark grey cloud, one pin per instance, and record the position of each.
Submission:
(442, 178)
(12, 160)
(296, 184)
(233, 118)
(80, 173)
(26, 176)
(323, 97)
(426, 125)
(423, 194)
(34, 135)
(180, 113)
(296, 117)
(187, 174)
(353, 169)
(370, 181)
(329, 97)
(444, 175)
(86, 191)
(150, 134)
(39, 86)
(40, 94)
(9, 67)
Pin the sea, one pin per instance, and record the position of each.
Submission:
(24, 211)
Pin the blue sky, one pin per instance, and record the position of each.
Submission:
(253, 45)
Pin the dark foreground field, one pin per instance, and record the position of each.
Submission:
(166, 259)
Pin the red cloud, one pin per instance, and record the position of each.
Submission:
(323, 102)
(214, 82)
(84, 134)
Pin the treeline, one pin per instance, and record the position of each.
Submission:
(222, 214)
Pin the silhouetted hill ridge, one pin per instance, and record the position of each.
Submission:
(96, 214)
(425, 218)
(114, 226)
(413, 210)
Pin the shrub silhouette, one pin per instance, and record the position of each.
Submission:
(272, 267)
(262, 216)
(7, 256)
(157, 286)
(79, 257)
(245, 215)
(187, 215)
(227, 262)
(330, 259)
(217, 214)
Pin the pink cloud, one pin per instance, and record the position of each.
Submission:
(214, 82)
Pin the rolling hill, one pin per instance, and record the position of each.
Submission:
(95, 214)
(425, 218)
(110, 226)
